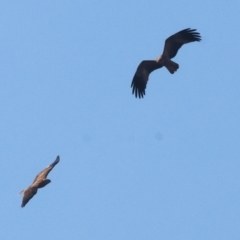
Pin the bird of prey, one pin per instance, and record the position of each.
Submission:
(171, 47)
(39, 182)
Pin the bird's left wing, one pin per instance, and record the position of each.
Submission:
(43, 174)
(175, 42)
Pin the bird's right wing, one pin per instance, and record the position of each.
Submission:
(140, 78)
(43, 174)
(28, 194)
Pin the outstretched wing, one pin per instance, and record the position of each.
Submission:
(28, 194)
(43, 174)
(140, 78)
(175, 42)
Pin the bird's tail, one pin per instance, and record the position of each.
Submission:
(22, 192)
(171, 66)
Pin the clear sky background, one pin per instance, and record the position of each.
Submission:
(163, 167)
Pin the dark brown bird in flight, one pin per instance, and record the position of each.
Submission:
(39, 182)
(171, 47)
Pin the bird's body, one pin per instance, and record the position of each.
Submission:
(39, 182)
(172, 45)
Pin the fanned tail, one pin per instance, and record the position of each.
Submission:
(171, 66)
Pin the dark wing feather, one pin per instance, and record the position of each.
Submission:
(43, 174)
(28, 194)
(140, 78)
(175, 42)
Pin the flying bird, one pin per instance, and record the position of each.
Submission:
(171, 47)
(39, 182)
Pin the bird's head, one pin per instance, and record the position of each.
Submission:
(158, 59)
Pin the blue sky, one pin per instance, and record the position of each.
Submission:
(163, 167)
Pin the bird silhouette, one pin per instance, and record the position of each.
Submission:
(40, 181)
(171, 47)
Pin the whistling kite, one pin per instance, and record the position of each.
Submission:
(171, 47)
(39, 182)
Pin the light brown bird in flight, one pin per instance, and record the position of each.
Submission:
(171, 47)
(39, 182)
